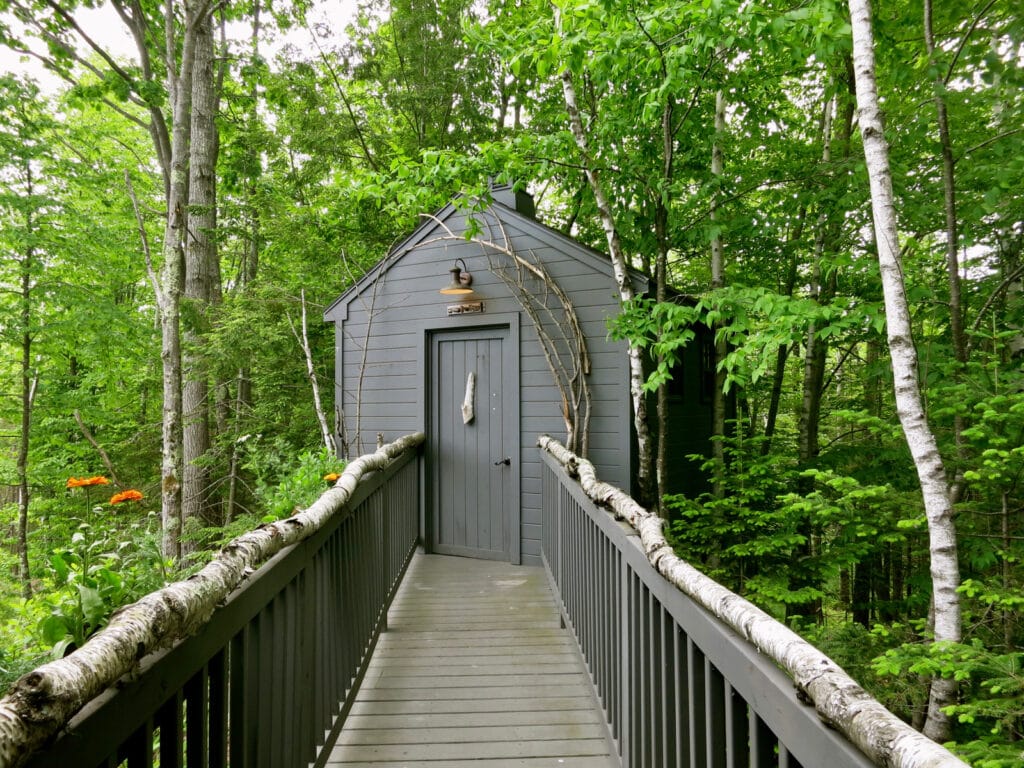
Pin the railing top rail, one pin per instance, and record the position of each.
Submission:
(839, 700)
(42, 702)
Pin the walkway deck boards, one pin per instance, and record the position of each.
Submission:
(474, 670)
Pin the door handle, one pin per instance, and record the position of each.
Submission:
(507, 461)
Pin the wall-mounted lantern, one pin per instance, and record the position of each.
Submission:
(460, 282)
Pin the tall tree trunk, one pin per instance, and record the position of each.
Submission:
(815, 349)
(860, 598)
(956, 309)
(717, 282)
(661, 231)
(247, 272)
(774, 398)
(28, 387)
(645, 479)
(945, 572)
(201, 268)
(302, 336)
(782, 354)
(179, 88)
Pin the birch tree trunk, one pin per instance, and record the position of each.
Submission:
(307, 353)
(645, 478)
(200, 270)
(945, 572)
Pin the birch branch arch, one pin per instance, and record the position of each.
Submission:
(552, 314)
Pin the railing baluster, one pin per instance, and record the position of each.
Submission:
(714, 692)
(241, 699)
(667, 699)
(696, 704)
(647, 694)
(737, 737)
(137, 751)
(618, 646)
(197, 719)
(218, 710)
(605, 624)
(306, 657)
(625, 663)
(262, 686)
(762, 742)
(170, 724)
(680, 693)
(636, 621)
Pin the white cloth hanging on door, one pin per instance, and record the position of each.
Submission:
(467, 403)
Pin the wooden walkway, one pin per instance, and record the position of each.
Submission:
(474, 670)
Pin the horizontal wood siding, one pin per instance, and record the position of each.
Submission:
(396, 314)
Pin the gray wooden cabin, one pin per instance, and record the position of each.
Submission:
(404, 353)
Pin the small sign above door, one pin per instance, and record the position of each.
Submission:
(469, 308)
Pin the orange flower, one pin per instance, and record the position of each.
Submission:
(81, 482)
(330, 477)
(129, 495)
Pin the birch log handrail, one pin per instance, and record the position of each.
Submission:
(838, 699)
(42, 702)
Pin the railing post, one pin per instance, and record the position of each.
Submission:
(625, 648)
(558, 544)
(383, 549)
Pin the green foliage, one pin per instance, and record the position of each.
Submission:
(287, 484)
(779, 547)
(992, 693)
(327, 160)
(857, 648)
(105, 567)
(740, 537)
(752, 321)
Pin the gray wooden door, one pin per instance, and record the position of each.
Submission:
(471, 463)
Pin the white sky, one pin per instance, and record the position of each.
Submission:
(104, 26)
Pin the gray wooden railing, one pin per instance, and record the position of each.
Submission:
(267, 680)
(678, 687)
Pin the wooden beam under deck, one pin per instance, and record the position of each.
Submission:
(474, 670)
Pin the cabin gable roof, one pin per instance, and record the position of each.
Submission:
(594, 260)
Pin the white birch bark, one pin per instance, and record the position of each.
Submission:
(42, 701)
(839, 700)
(307, 351)
(620, 267)
(945, 571)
